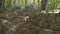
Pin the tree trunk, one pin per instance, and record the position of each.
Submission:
(1, 3)
(43, 4)
(1, 26)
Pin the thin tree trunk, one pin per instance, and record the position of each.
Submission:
(2, 30)
(43, 4)
(1, 3)
(14, 1)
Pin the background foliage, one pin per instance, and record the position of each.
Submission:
(30, 16)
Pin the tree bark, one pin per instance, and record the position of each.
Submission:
(43, 4)
(1, 3)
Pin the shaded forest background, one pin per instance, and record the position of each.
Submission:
(30, 16)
